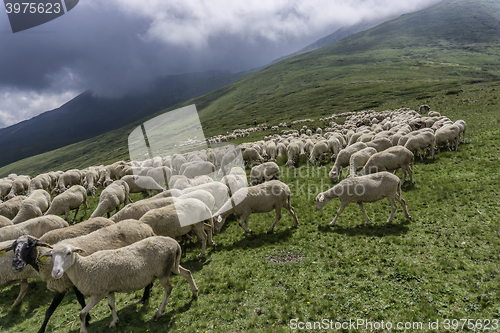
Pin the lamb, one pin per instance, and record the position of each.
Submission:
(181, 218)
(20, 185)
(264, 172)
(251, 155)
(319, 149)
(5, 221)
(421, 142)
(34, 206)
(9, 277)
(112, 237)
(367, 188)
(73, 198)
(141, 184)
(343, 159)
(359, 159)
(261, 198)
(35, 227)
(111, 198)
(11, 207)
(101, 274)
(391, 159)
(447, 134)
(68, 178)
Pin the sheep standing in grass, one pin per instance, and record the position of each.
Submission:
(463, 127)
(91, 179)
(101, 274)
(217, 189)
(67, 179)
(334, 145)
(111, 198)
(34, 206)
(421, 142)
(320, 149)
(11, 207)
(359, 159)
(114, 236)
(380, 144)
(343, 159)
(35, 227)
(20, 185)
(264, 172)
(367, 188)
(252, 155)
(261, 198)
(142, 184)
(71, 199)
(177, 220)
(40, 182)
(446, 135)
(391, 159)
(292, 152)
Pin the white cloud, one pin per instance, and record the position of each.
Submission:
(193, 23)
(17, 105)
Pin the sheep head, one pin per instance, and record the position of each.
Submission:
(26, 252)
(63, 257)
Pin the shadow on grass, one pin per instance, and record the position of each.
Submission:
(256, 240)
(372, 229)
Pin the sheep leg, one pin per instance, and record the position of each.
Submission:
(393, 209)
(85, 311)
(66, 215)
(146, 294)
(111, 304)
(58, 297)
(244, 218)
(278, 217)
(76, 212)
(342, 206)
(81, 300)
(165, 282)
(202, 238)
(367, 221)
(292, 211)
(209, 230)
(187, 275)
(403, 204)
(22, 292)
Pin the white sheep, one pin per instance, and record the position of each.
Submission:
(343, 159)
(11, 207)
(293, 153)
(367, 188)
(20, 185)
(252, 155)
(379, 143)
(5, 187)
(111, 237)
(262, 198)
(111, 198)
(263, 172)
(91, 179)
(235, 181)
(68, 178)
(35, 227)
(359, 158)
(217, 189)
(334, 145)
(271, 150)
(320, 149)
(42, 181)
(181, 218)
(421, 142)
(34, 206)
(434, 114)
(390, 159)
(71, 199)
(101, 274)
(198, 169)
(76, 230)
(5, 221)
(142, 184)
(463, 127)
(446, 135)
(161, 175)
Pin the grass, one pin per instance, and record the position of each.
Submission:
(443, 264)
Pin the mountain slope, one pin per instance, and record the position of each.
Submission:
(401, 63)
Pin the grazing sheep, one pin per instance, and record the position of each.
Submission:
(142, 184)
(11, 207)
(447, 134)
(161, 175)
(40, 182)
(20, 185)
(76, 230)
(293, 153)
(164, 194)
(252, 155)
(179, 182)
(367, 188)
(34, 206)
(5, 187)
(358, 159)
(319, 150)
(115, 236)
(421, 142)
(343, 159)
(235, 181)
(111, 198)
(71, 199)
(217, 189)
(91, 179)
(390, 159)
(380, 144)
(198, 169)
(101, 274)
(334, 145)
(271, 150)
(264, 172)
(261, 198)
(281, 148)
(434, 114)
(5, 221)
(463, 127)
(199, 180)
(68, 178)
(181, 218)
(9, 277)
(35, 227)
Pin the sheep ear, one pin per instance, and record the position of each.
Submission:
(6, 249)
(43, 244)
(45, 256)
(77, 250)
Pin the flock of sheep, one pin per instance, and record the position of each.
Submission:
(136, 245)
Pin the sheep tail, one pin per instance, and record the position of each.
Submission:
(177, 261)
(399, 188)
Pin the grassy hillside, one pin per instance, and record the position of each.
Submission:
(417, 55)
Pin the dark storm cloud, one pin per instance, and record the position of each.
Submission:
(117, 46)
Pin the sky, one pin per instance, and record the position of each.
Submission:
(114, 47)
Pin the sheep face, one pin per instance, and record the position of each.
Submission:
(25, 252)
(63, 257)
(321, 201)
